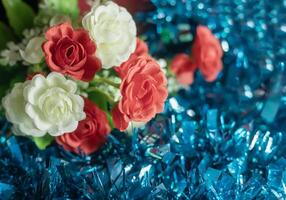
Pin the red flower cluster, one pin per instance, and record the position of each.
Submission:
(71, 52)
(206, 55)
(143, 89)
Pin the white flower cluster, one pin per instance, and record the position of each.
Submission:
(44, 105)
(11, 55)
(30, 33)
(28, 51)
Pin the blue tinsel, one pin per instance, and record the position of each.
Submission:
(220, 141)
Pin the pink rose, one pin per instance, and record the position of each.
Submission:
(90, 134)
(184, 68)
(207, 53)
(71, 52)
(143, 90)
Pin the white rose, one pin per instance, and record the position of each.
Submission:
(33, 53)
(44, 105)
(114, 32)
(14, 104)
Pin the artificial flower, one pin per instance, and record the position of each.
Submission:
(114, 32)
(132, 7)
(71, 52)
(44, 105)
(183, 67)
(141, 48)
(91, 132)
(33, 53)
(143, 92)
(85, 5)
(10, 55)
(207, 53)
(14, 104)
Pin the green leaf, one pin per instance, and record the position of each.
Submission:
(65, 7)
(5, 35)
(99, 99)
(3, 90)
(110, 120)
(43, 142)
(20, 15)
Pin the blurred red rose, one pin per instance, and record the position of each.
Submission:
(71, 52)
(184, 68)
(91, 132)
(207, 53)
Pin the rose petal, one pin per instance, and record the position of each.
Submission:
(120, 121)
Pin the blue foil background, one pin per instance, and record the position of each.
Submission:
(219, 141)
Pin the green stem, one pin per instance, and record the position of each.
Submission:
(107, 96)
(107, 81)
(37, 68)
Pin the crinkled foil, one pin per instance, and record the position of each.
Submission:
(219, 141)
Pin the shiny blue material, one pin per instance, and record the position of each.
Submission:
(219, 141)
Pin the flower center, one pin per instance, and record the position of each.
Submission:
(56, 105)
(69, 52)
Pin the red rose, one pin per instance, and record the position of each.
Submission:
(91, 132)
(207, 53)
(143, 90)
(71, 52)
(141, 49)
(135, 6)
(183, 67)
(130, 5)
(84, 6)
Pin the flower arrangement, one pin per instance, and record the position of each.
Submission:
(82, 71)
(77, 70)
(80, 75)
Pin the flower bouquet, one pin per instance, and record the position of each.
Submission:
(77, 75)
